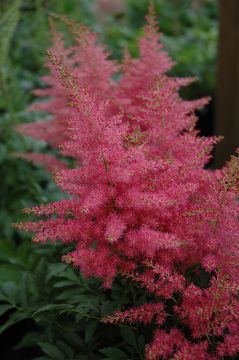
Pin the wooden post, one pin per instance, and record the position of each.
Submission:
(227, 114)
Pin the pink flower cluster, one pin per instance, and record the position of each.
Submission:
(141, 203)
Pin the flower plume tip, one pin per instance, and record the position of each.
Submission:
(67, 258)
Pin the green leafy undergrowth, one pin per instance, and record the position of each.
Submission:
(65, 308)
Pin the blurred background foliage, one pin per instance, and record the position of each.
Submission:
(190, 30)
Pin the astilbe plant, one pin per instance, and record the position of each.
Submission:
(141, 204)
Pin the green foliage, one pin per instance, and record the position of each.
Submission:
(9, 16)
(190, 36)
(65, 307)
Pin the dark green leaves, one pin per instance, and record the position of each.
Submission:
(114, 354)
(52, 351)
(55, 269)
(10, 290)
(129, 336)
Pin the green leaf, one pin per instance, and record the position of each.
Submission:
(10, 289)
(50, 307)
(51, 350)
(4, 308)
(114, 354)
(28, 340)
(129, 336)
(73, 338)
(63, 283)
(71, 275)
(23, 289)
(70, 294)
(66, 349)
(55, 269)
(90, 330)
(88, 302)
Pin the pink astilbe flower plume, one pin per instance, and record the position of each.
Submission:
(140, 75)
(90, 64)
(53, 102)
(142, 205)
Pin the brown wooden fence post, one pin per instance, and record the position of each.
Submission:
(227, 114)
